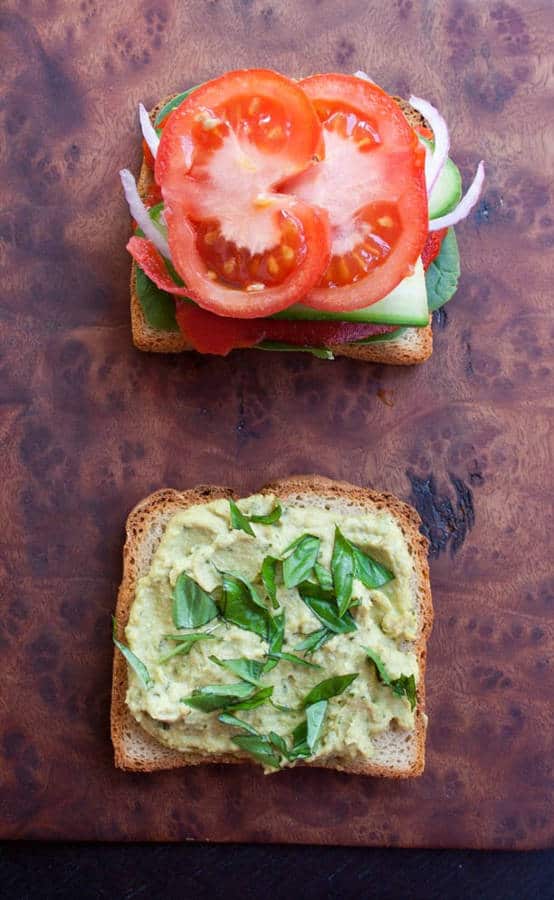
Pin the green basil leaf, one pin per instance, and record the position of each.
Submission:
(248, 669)
(370, 572)
(185, 643)
(258, 747)
(218, 696)
(257, 699)
(342, 570)
(379, 665)
(331, 687)
(298, 566)
(192, 606)
(290, 657)
(254, 596)
(318, 352)
(315, 640)
(276, 638)
(239, 607)
(405, 686)
(270, 518)
(441, 278)
(269, 577)
(158, 306)
(239, 521)
(324, 577)
(228, 719)
(286, 709)
(300, 748)
(322, 604)
(136, 664)
(315, 716)
(278, 742)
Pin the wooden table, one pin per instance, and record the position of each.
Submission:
(89, 425)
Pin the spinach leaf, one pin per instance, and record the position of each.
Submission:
(331, 687)
(269, 578)
(270, 518)
(136, 664)
(158, 306)
(404, 686)
(315, 716)
(315, 640)
(370, 572)
(248, 669)
(324, 577)
(257, 699)
(441, 278)
(228, 719)
(239, 607)
(258, 747)
(185, 643)
(276, 638)
(192, 606)
(322, 604)
(218, 696)
(342, 570)
(238, 520)
(290, 657)
(299, 564)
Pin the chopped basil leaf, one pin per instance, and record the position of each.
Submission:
(324, 577)
(247, 669)
(257, 699)
(228, 719)
(276, 638)
(269, 575)
(342, 569)
(290, 657)
(298, 566)
(369, 571)
(315, 640)
(218, 696)
(136, 664)
(300, 748)
(315, 716)
(278, 742)
(405, 686)
(185, 643)
(322, 604)
(270, 518)
(192, 606)
(238, 520)
(287, 709)
(239, 607)
(331, 687)
(441, 278)
(258, 747)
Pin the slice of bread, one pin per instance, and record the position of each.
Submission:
(397, 753)
(415, 345)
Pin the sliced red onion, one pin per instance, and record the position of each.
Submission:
(465, 205)
(364, 76)
(148, 131)
(435, 160)
(140, 213)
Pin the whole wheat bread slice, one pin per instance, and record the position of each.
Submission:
(414, 345)
(397, 754)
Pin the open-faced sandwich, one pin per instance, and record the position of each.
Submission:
(286, 628)
(309, 215)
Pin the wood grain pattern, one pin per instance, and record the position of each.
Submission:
(89, 425)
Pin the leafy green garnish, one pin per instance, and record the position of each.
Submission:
(257, 699)
(342, 570)
(248, 669)
(269, 578)
(315, 715)
(322, 604)
(158, 306)
(318, 352)
(404, 686)
(331, 687)
(324, 577)
(278, 742)
(136, 664)
(441, 278)
(192, 606)
(260, 748)
(185, 643)
(270, 518)
(315, 640)
(238, 520)
(173, 104)
(239, 607)
(370, 572)
(275, 638)
(290, 657)
(218, 696)
(229, 719)
(302, 557)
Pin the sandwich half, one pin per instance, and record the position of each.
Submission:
(287, 628)
(338, 240)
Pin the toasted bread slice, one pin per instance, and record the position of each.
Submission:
(414, 345)
(397, 754)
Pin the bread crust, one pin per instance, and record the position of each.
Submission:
(414, 346)
(134, 749)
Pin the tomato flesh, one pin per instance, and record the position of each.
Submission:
(151, 262)
(432, 246)
(372, 185)
(211, 334)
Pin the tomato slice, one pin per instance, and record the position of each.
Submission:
(243, 247)
(151, 262)
(432, 246)
(209, 333)
(372, 184)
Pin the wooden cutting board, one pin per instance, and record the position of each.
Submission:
(89, 425)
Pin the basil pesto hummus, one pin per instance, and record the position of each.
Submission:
(280, 632)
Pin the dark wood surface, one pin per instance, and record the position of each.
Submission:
(89, 425)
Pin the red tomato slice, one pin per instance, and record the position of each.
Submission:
(372, 184)
(432, 246)
(151, 262)
(209, 333)
(242, 247)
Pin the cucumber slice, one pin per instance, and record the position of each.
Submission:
(447, 192)
(405, 305)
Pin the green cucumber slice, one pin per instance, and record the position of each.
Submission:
(447, 192)
(405, 305)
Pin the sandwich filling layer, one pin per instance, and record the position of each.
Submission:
(283, 639)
